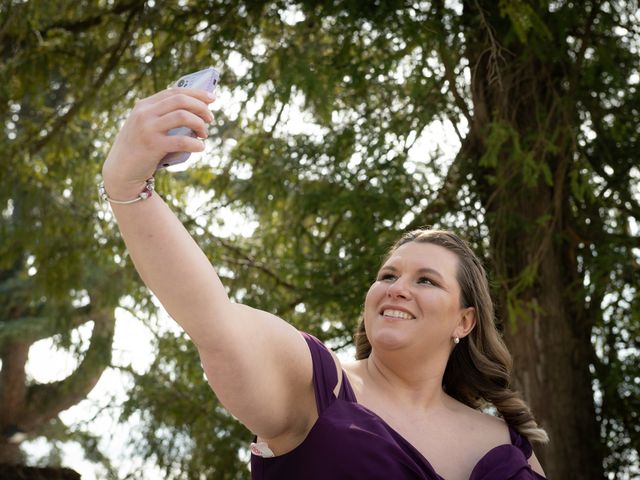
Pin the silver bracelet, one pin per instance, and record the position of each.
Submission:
(143, 195)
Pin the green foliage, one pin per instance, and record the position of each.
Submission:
(183, 428)
(524, 18)
(328, 199)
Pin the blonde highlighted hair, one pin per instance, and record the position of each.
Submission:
(479, 368)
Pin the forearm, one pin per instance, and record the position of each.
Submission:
(172, 265)
(166, 257)
(229, 336)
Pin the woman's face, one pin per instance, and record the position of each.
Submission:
(415, 300)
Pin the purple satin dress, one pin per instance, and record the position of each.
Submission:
(348, 441)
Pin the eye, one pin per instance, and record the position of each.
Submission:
(426, 281)
(386, 277)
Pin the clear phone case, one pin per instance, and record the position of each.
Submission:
(206, 79)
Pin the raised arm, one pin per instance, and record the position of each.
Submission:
(257, 364)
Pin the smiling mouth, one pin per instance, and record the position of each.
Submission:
(397, 314)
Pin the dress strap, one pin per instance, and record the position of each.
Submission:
(520, 441)
(325, 376)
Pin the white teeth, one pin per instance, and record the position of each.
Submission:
(397, 314)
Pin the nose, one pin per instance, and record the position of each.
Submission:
(399, 289)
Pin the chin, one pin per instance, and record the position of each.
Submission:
(388, 339)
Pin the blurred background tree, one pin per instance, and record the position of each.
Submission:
(328, 149)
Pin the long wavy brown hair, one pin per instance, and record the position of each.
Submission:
(478, 371)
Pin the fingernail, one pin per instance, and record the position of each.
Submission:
(211, 96)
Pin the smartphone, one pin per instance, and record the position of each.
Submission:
(206, 79)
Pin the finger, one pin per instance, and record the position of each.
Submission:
(196, 93)
(182, 102)
(181, 143)
(202, 95)
(181, 118)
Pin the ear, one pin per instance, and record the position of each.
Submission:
(466, 323)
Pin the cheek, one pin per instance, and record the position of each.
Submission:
(372, 300)
(445, 309)
(453, 305)
(375, 292)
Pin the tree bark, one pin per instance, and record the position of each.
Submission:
(550, 343)
(18, 472)
(10, 453)
(551, 363)
(546, 328)
(14, 356)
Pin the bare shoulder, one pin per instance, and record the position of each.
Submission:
(485, 429)
(352, 367)
(355, 373)
(492, 431)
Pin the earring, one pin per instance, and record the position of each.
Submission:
(456, 340)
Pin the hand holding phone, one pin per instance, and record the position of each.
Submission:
(207, 80)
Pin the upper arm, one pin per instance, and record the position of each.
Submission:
(261, 371)
(535, 464)
(258, 365)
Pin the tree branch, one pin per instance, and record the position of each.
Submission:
(14, 42)
(449, 73)
(46, 401)
(90, 91)
(445, 197)
(248, 261)
(34, 328)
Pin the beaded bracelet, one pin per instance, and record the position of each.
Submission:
(143, 195)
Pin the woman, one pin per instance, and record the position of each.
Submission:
(427, 350)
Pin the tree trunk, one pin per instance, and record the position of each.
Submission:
(551, 367)
(18, 472)
(518, 112)
(549, 339)
(14, 355)
(10, 453)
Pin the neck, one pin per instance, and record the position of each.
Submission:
(405, 382)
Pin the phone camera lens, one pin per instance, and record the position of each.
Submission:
(182, 83)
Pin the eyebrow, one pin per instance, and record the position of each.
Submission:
(421, 270)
